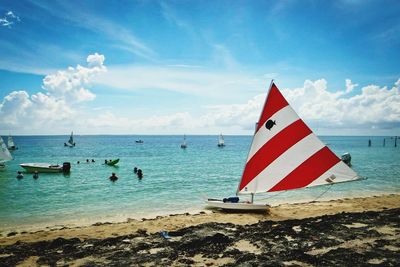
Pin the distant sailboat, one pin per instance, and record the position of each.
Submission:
(4, 154)
(10, 143)
(221, 142)
(184, 145)
(70, 142)
(284, 155)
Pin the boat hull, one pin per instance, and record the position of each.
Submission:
(236, 206)
(112, 162)
(42, 167)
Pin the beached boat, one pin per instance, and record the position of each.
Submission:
(221, 142)
(4, 154)
(284, 155)
(111, 162)
(10, 143)
(184, 144)
(70, 142)
(46, 167)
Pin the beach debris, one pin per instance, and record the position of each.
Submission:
(297, 228)
(165, 235)
(326, 239)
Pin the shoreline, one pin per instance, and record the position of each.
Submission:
(175, 222)
(88, 220)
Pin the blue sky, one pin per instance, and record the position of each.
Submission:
(197, 67)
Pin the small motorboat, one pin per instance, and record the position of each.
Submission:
(111, 162)
(140, 141)
(46, 167)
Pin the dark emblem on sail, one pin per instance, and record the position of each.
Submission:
(269, 124)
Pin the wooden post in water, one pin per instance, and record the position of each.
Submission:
(384, 139)
(369, 142)
(395, 141)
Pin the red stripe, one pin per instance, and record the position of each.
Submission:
(273, 149)
(308, 171)
(275, 102)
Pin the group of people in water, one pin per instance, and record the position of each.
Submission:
(20, 175)
(113, 176)
(87, 161)
(137, 171)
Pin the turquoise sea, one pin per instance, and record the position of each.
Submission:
(175, 180)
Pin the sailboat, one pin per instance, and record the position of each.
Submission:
(70, 142)
(221, 142)
(184, 145)
(4, 154)
(10, 143)
(284, 155)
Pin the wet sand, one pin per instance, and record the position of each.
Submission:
(292, 234)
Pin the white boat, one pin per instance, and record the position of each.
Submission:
(10, 143)
(46, 167)
(284, 155)
(221, 142)
(70, 142)
(4, 154)
(184, 144)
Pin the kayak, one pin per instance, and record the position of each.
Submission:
(112, 162)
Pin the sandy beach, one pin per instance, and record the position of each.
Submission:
(61, 245)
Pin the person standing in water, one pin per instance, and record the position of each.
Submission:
(113, 177)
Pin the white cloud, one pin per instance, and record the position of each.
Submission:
(50, 111)
(196, 81)
(350, 86)
(358, 110)
(8, 19)
(68, 84)
(373, 108)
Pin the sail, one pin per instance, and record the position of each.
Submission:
(4, 153)
(71, 139)
(184, 140)
(221, 140)
(10, 142)
(285, 154)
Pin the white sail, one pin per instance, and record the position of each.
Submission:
(4, 153)
(10, 142)
(71, 138)
(70, 142)
(285, 154)
(221, 141)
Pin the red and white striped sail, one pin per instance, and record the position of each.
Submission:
(285, 154)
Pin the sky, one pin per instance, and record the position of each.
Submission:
(197, 67)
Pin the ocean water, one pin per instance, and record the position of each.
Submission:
(175, 180)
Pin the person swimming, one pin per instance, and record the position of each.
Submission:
(36, 175)
(20, 175)
(135, 170)
(113, 177)
(139, 173)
